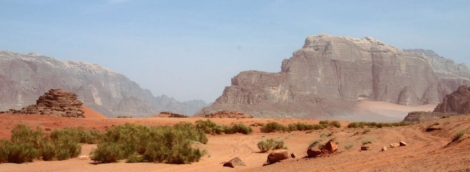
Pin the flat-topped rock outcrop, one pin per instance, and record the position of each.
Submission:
(329, 74)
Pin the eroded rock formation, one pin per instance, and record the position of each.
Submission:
(56, 102)
(329, 74)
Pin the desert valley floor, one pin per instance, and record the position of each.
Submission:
(426, 151)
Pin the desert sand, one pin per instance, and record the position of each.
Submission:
(426, 151)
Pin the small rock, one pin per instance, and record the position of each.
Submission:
(330, 147)
(277, 156)
(234, 163)
(394, 145)
(365, 147)
(47, 129)
(402, 143)
(83, 157)
(313, 152)
(293, 155)
(384, 149)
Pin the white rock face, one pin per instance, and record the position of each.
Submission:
(23, 78)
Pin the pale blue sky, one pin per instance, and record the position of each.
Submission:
(191, 49)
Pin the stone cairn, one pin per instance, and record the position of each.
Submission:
(56, 102)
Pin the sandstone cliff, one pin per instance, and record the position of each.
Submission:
(329, 74)
(23, 78)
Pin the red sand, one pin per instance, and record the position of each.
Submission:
(426, 151)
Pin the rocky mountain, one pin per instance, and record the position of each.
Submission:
(329, 74)
(23, 78)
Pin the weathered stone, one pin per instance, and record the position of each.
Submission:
(313, 152)
(384, 149)
(402, 143)
(394, 145)
(329, 74)
(330, 147)
(277, 156)
(457, 102)
(56, 102)
(293, 155)
(365, 147)
(235, 162)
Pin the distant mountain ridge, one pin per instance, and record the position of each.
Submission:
(23, 78)
(330, 74)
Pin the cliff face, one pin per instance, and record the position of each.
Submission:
(329, 74)
(23, 78)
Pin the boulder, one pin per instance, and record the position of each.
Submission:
(277, 156)
(235, 162)
(402, 143)
(394, 145)
(330, 147)
(384, 149)
(313, 152)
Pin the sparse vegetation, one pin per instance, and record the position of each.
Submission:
(315, 143)
(210, 127)
(378, 124)
(27, 144)
(459, 136)
(153, 144)
(326, 124)
(367, 141)
(326, 134)
(348, 146)
(273, 127)
(270, 144)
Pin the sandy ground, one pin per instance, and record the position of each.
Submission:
(426, 151)
(381, 111)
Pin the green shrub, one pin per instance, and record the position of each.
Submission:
(303, 127)
(241, 128)
(326, 134)
(270, 144)
(273, 127)
(21, 133)
(20, 152)
(335, 124)
(48, 152)
(27, 144)
(153, 144)
(107, 152)
(210, 127)
(257, 124)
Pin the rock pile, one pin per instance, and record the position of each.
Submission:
(56, 102)
(329, 148)
(227, 114)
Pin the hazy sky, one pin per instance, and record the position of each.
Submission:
(191, 49)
